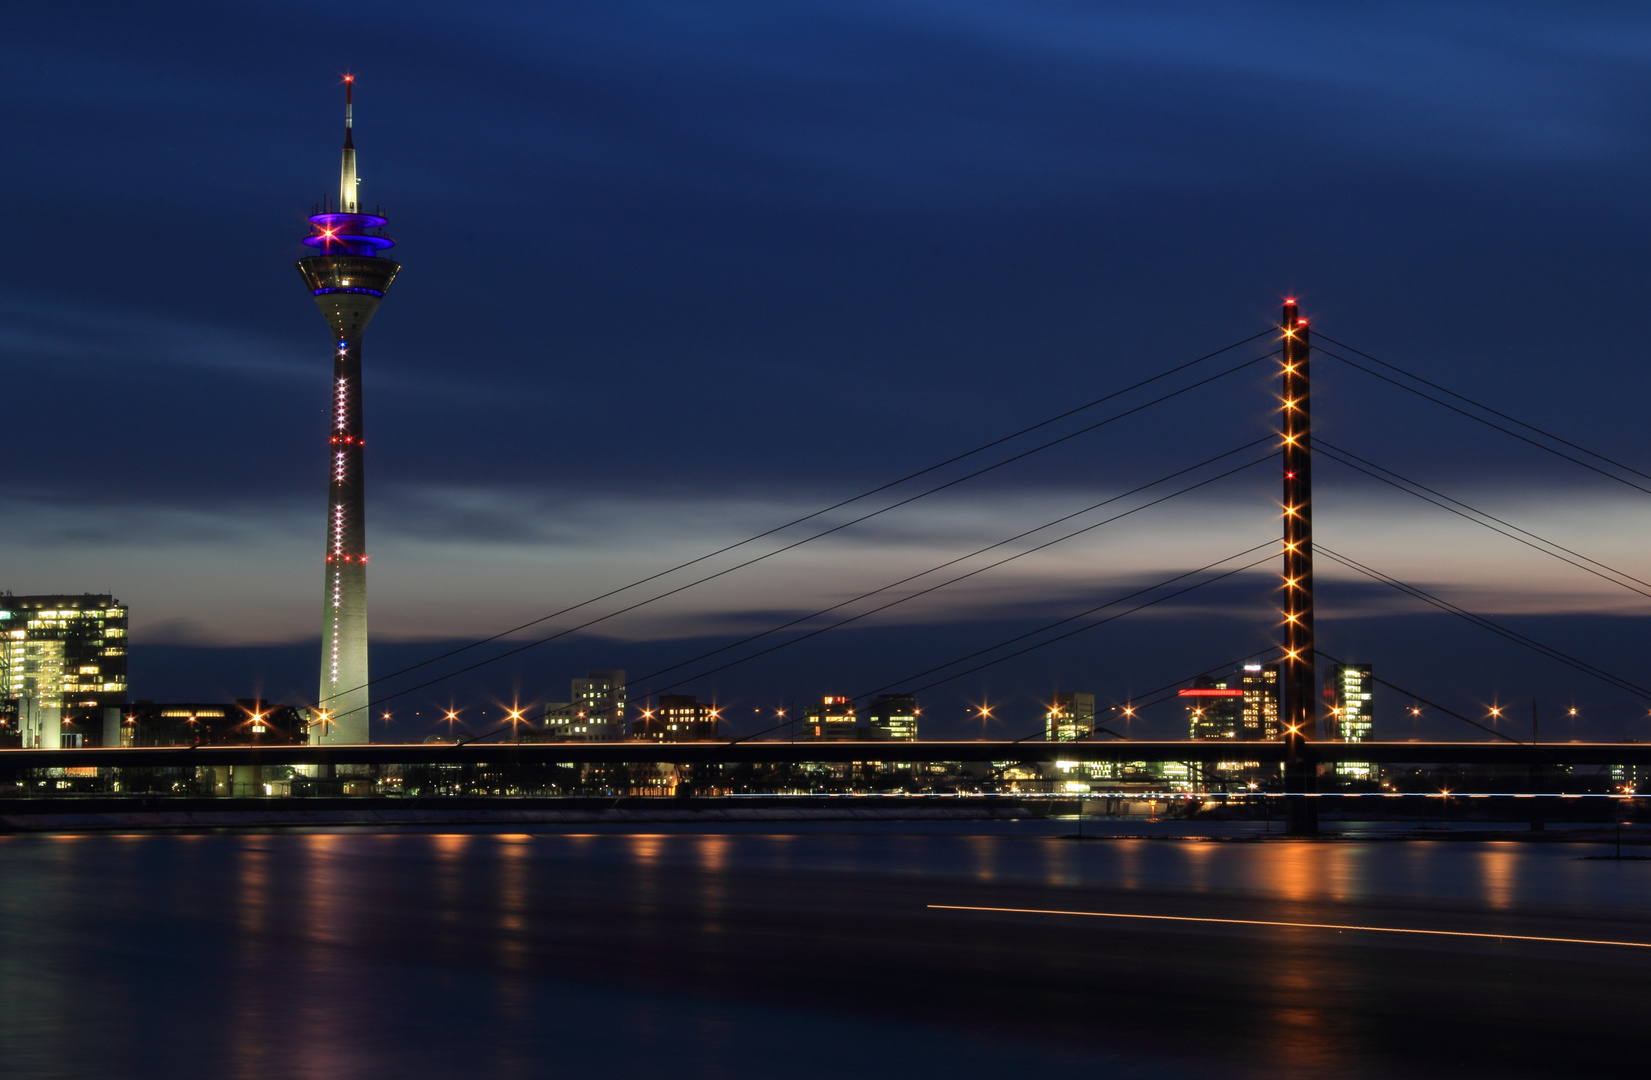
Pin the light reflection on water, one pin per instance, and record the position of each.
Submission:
(339, 953)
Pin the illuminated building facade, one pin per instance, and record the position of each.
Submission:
(62, 668)
(892, 716)
(348, 278)
(1215, 709)
(1070, 716)
(833, 718)
(677, 718)
(1259, 716)
(599, 702)
(246, 722)
(1349, 697)
(596, 713)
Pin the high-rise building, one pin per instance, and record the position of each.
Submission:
(892, 716)
(1070, 717)
(1214, 708)
(348, 278)
(62, 659)
(677, 718)
(1349, 693)
(834, 718)
(598, 706)
(1259, 717)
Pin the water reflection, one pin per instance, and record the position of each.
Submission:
(347, 953)
(712, 892)
(1292, 871)
(1498, 866)
(983, 852)
(512, 856)
(1305, 1035)
(249, 1030)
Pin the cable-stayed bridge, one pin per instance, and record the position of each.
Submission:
(1291, 447)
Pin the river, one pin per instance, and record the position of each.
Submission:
(822, 950)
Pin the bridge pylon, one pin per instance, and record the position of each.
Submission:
(1297, 684)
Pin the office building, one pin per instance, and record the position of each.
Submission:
(348, 278)
(600, 698)
(677, 718)
(62, 663)
(1214, 708)
(596, 713)
(244, 722)
(1259, 714)
(1070, 716)
(891, 716)
(1349, 694)
(834, 718)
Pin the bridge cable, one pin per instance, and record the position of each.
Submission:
(1133, 708)
(1430, 704)
(1507, 431)
(817, 513)
(1488, 624)
(1337, 454)
(1088, 626)
(798, 543)
(1318, 336)
(952, 581)
(1051, 626)
(1321, 653)
(1150, 695)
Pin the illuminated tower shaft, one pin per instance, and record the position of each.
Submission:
(348, 280)
(1296, 683)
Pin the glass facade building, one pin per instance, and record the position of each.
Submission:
(1070, 717)
(1349, 697)
(892, 716)
(62, 666)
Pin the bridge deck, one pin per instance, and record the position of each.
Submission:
(774, 752)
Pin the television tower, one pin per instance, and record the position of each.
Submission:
(348, 279)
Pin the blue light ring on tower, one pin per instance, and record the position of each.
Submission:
(350, 244)
(348, 221)
(348, 234)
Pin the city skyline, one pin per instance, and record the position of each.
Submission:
(466, 549)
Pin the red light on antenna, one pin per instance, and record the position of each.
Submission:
(1289, 299)
(1302, 321)
(349, 78)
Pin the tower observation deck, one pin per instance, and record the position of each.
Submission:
(348, 276)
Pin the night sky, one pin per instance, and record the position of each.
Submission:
(678, 273)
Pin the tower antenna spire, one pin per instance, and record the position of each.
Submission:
(346, 175)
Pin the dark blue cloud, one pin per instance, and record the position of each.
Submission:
(787, 251)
